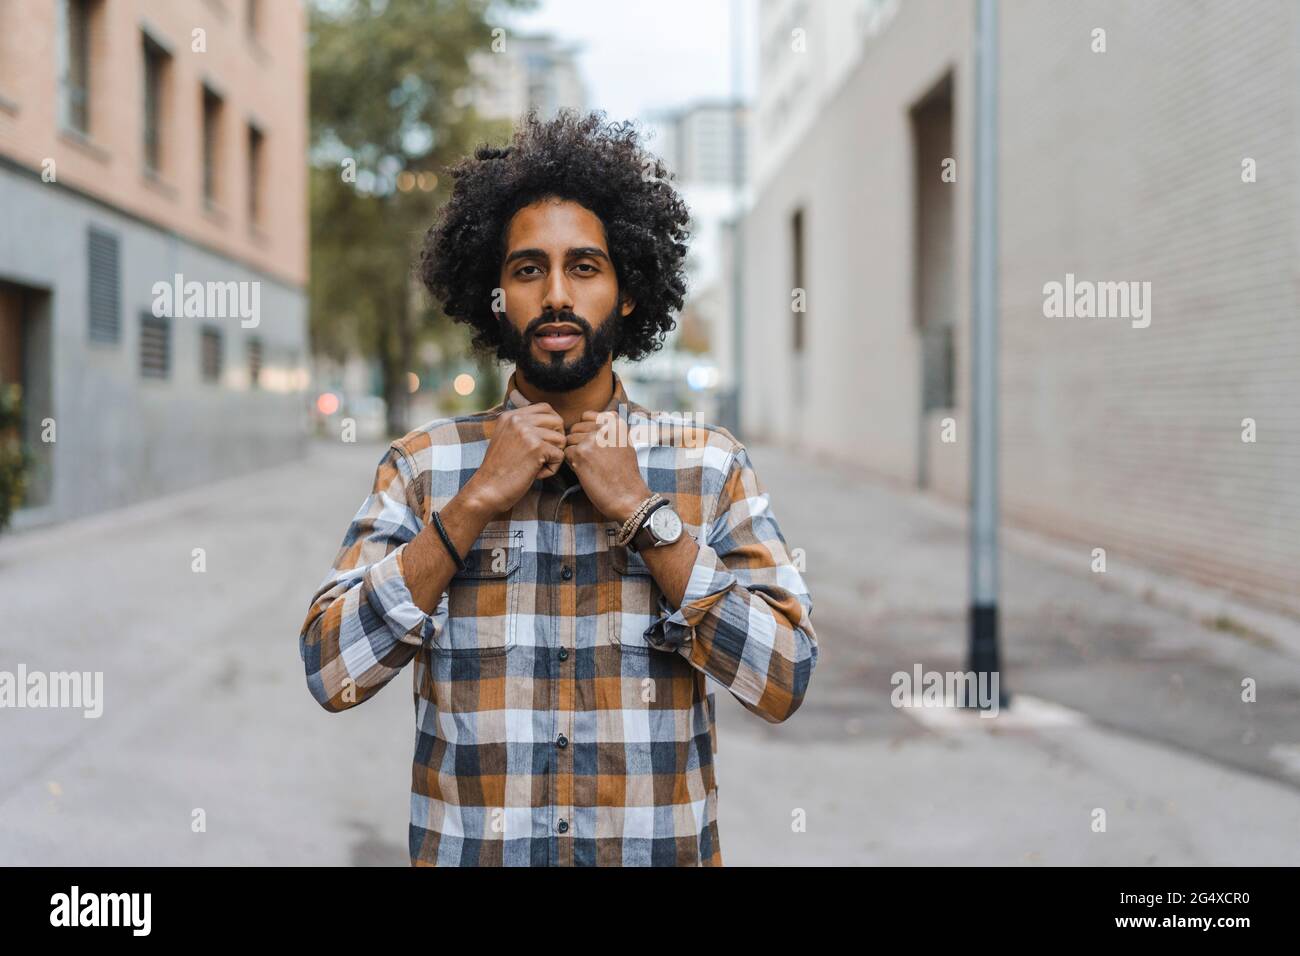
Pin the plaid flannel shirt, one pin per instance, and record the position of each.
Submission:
(561, 704)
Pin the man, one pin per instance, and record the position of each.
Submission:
(566, 567)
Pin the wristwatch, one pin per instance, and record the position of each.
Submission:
(662, 526)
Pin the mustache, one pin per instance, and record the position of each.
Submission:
(569, 317)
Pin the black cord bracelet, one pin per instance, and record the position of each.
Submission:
(446, 539)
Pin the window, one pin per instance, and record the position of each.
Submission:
(256, 151)
(212, 108)
(210, 354)
(938, 361)
(155, 346)
(104, 286)
(9, 78)
(74, 64)
(254, 362)
(155, 74)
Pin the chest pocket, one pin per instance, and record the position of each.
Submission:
(631, 596)
(483, 599)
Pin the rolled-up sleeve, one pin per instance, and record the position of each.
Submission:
(363, 626)
(745, 618)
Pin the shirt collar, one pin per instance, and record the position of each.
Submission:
(618, 402)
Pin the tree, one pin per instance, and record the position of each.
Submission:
(389, 108)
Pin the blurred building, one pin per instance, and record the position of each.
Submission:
(806, 50)
(697, 142)
(1161, 149)
(149, 148)
(702, 144)
(526, 71)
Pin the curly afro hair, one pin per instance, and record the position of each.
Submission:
(580, 158)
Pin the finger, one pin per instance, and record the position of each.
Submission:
(551, 437)
(540, 412)
(554, 459)
(603, 431)
(600, 418)
(545, 421)
(525, 405)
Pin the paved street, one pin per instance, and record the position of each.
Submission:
(1118, 703)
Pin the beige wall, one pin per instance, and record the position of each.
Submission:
(263, 81)
(853, 177)
(1117, 166)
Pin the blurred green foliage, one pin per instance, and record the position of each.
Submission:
(388, 111)
(15, 459)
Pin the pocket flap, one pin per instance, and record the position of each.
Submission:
(624, 560)
(495, 554)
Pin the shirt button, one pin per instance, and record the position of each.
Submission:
(564, 826)
(567, 572)
(562, 742)
(564, 653)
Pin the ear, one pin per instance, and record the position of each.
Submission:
(628, 304)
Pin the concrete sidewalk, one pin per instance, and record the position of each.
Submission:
(1117, 704)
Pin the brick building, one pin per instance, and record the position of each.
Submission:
(148, 146)
(1169, 157)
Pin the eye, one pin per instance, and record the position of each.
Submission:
(586, 265)
(520, 271)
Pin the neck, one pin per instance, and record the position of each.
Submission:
(570, 405)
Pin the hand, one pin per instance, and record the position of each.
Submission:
(604, 459)
(527, 443)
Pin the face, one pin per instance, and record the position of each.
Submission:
(562, 307)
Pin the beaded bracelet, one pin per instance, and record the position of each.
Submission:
(632, 524)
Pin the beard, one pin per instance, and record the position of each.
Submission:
(555, 374)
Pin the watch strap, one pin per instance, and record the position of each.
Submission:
(643, 537)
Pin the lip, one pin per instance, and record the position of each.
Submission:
(557, 337)
(557, 343)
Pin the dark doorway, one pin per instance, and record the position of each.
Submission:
(25, 350)
(934, 258)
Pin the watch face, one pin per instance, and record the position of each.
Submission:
(665, 524)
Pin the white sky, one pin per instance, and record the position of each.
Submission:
(638, 56)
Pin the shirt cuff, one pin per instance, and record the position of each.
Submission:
(709, 582)
(384, 589)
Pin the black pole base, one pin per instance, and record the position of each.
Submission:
(984, 657)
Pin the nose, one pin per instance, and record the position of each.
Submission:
(558, 297)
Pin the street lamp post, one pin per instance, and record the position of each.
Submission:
(984, 658)
(732, 415)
